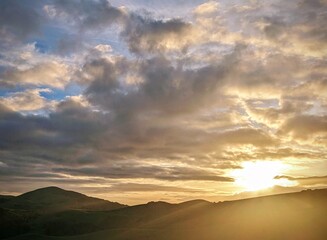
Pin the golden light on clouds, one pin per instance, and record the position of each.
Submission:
(184, 100)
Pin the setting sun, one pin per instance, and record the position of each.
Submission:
(258, 175)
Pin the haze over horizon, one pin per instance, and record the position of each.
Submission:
(147, 100)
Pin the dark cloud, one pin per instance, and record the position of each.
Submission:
(273, 153)
(127, 171)
(288, 107)
(312, 4)
(70, 44)
(133, 122)
(89, 15)
(255, 137)
(144, 34)
(305, 126)
(71, 124)
(19, 19)
(134, 187)
(306, 181)
(31, 144)
(300, 24)
(275, 28)
(165, 88)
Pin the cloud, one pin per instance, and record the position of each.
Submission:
(86, 15)
(54, 74)
(303, 31)
(71, 124)
(305, 126)
(104, 48)
(306, 181)
(25, 66)
(274, 116)
(152, 172)
(165, 88)
(135, 187)
(241, 136)
(29, 100)
(207, 8)
(18, 20)
(145, 35)
(317, 85)
(160, 100)
(142, 33)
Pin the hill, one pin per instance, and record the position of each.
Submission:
(54, 199)
(301, 215)
(30, 211)
(5, 198)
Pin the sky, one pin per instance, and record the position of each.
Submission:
(147, 100)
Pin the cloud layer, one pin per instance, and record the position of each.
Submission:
(102, 96)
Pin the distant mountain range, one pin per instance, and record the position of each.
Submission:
(56, 214)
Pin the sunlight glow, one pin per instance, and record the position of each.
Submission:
(258, 175)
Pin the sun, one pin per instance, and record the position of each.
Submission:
(258, 175)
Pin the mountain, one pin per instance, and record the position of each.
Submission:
(301, 215)
(54, 199)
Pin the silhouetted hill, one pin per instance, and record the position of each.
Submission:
(53, 199)
(31, 211)
(197, 202)
(301, 215)
(5, 198)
